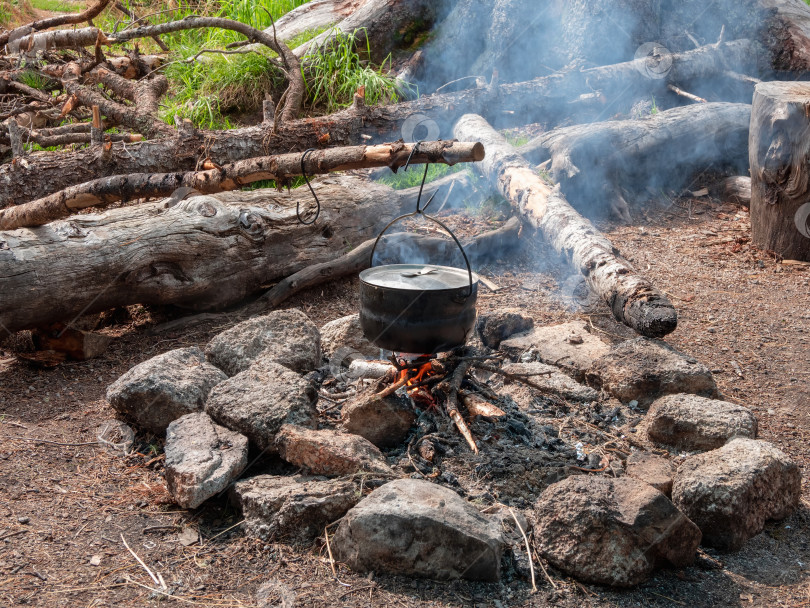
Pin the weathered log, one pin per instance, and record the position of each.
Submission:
(631, 298)
(45, 173)
(608, 161)
(736, 189)
(779, 149)
(381, 26)
(200, 253)
(231, 177)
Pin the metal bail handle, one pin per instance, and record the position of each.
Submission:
(433, 219)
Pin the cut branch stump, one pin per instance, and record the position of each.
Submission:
(779, 153)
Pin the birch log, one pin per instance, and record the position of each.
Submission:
(631, 298)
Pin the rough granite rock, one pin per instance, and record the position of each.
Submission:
(202, 458)
(611, 531)
(732, 491)
(257, 401)
(644, 369)
(346, 333)
(497, 326)
(292, 507)
(417, 528)
(551, 378)
(652, 469)
(569, 346)
(692, 423)
(287, 337)
(384, 422)
(165, 387)
(329, 452)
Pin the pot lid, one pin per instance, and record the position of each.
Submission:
(421, 277)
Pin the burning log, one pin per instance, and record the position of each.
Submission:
(594, 162)
(779, 146)
(200, 253)
(230, 177)
(631, 298)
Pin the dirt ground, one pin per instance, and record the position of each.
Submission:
(67, 506)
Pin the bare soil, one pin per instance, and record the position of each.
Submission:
(67, 505)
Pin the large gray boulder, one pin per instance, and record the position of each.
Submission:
(417, 528)
(569, 346)
(292, 508)
(327, 452)
(611, 531)
(164, 388)
(257, 401)
(287, 337)
(732, 491)
(202, 458)
(346, 335)
(644, 369)
(692, 423)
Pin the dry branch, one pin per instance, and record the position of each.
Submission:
(230, 177)
(49, 22)
(292, 67)
(631, 298)
(538, 99)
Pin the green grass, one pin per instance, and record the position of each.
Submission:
(335, 72)
(516, 139)
(33, 79)
(58, 6)
(413, 176)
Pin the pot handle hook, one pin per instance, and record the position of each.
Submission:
(433, 219)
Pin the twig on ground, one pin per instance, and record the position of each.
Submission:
(10, 534)
(141, 562)
(528, 548)
(48, 441)
(329, 550)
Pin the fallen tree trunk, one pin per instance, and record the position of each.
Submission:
(631, 298)
(200, 253)
(607, 161)
(231, 177)
(539, 99)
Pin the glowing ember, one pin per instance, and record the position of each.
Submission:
(417, 375)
